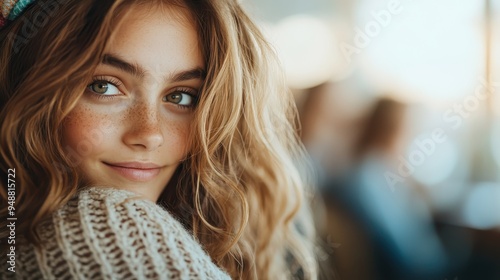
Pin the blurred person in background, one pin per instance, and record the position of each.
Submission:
(382, 232)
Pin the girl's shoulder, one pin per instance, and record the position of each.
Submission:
(112, 203)
(115, 234)
(106, 207)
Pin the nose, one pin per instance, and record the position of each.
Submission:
(143, 128)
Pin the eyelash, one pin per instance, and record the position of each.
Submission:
(112, 81)
(188, 92)
(117, 84)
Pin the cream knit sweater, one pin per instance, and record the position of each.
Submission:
(104, 233)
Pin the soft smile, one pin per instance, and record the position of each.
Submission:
(135, 171)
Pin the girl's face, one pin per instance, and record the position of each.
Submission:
(130, 128)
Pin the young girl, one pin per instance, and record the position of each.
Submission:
(146, 139)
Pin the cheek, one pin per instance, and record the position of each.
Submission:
(84, 132)
(177, 143)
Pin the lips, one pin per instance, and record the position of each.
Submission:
(135, 171)
(135, 165)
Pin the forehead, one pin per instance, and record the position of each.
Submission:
(155, 36)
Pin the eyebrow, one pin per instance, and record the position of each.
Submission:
(136, 70)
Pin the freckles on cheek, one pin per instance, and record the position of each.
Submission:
(177, 135)
(85, 130)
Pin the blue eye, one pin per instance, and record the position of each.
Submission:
(103, 87)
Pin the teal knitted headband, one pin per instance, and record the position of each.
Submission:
(11, 9)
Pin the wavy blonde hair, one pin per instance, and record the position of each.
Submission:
(240, 190)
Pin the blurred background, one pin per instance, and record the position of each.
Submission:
(399, 104)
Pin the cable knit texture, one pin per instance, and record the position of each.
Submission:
(104, 233)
